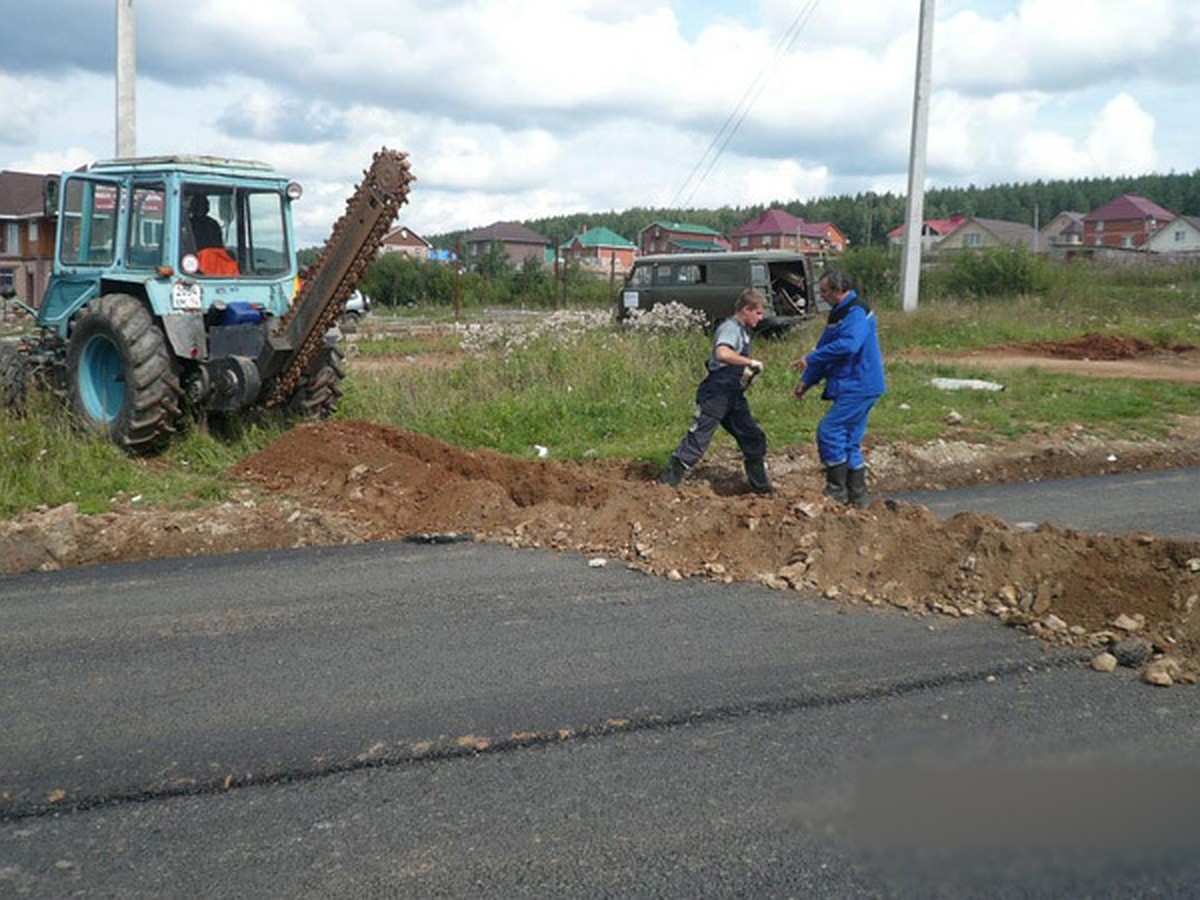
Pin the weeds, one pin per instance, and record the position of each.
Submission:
(585, 386)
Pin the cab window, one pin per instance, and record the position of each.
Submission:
(89, 222)
(144, 243)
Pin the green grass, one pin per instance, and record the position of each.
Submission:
(614, 393)
(45, 461)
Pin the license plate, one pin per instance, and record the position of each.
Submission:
(630, 299)
(185, 296)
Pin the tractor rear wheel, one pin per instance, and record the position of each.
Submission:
(318, 394)
(121, 375)
(14, 378)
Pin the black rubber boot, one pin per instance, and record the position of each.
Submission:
(673, 473)
(856, 487)
(835, 483)
(756, 474)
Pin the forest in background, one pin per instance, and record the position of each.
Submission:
(866, 218)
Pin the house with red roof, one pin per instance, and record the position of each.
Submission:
(778, 229)
(26, 236)
(1126, 222)
(932, 231)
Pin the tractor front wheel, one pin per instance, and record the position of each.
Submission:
(121, 374)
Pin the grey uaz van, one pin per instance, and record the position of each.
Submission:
(710, 282)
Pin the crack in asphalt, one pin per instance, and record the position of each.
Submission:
(442, 749)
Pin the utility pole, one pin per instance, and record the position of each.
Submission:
(910, 267)
(126, 79)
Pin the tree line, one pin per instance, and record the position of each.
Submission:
(866, 218)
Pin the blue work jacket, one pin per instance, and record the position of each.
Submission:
(847, 355)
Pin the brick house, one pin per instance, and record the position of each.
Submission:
(777, 229)
(680, 237)
(974, 233)
(519, 243)
(404, 240)
(1127, 222)
(26, 236)
(600, 250)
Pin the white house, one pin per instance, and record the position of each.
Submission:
(1180, 235)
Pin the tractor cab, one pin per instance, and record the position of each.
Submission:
(185, 234)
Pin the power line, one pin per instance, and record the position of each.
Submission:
(738, 114)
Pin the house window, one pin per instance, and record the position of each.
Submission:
(1180, 236)
(766, 240)
(1100, 225)
(33, 233)
(972, 240)
(1127, 241)
(743, 242)
(12, 239)
(7, 280)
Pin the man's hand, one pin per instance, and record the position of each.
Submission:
(800, 365)
(801, 390)
(755, 366)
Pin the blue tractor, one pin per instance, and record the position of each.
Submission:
(175, 292)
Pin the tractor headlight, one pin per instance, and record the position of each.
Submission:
(294, 190)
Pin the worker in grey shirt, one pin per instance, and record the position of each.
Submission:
(721, 399)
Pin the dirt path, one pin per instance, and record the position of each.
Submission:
(1094, 356)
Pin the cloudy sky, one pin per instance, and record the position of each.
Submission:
(518, 109)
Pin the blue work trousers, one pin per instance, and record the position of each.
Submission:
(841, 430)
(721, 402)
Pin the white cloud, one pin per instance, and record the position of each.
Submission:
(1123, 140)
(522, 108)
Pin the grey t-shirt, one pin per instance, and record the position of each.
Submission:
(733, 334)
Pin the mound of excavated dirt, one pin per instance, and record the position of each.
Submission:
(351, 481)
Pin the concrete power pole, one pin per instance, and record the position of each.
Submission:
(910, 267)
(126, 79)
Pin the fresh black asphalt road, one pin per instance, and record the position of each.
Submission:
(407, 720)
(1163, 503)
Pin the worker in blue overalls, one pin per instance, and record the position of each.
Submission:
(848, 359)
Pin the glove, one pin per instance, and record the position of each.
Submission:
(750, 371)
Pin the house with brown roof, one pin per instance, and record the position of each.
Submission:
(1126, 222)
(402, 239)
(1064, 231)
(932, 231)
(778, 229)
(599, 250)
(518, 243)
(1180, 235)
(680, 237)
(26, 236)
(974, 233)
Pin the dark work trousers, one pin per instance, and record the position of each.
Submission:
(721, 401)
